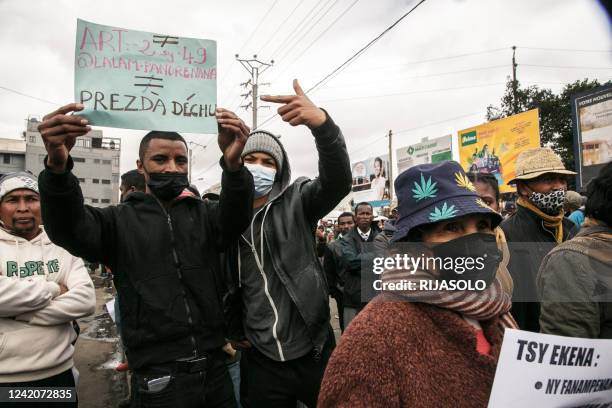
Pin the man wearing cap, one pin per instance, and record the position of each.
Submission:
(42, 290)
(574, 207)
(278, 282)
(537, 226)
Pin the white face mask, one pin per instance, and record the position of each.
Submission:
(263, 177)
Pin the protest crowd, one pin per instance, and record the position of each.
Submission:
(224, 301)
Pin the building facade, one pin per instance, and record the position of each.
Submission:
(12, 155)
(96, 163)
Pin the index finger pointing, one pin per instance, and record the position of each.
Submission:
(297, 88)
(71, 107)
(278, 98)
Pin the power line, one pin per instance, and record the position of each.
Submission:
(303, 35)
(358, 53)
(562, 67)
(419, 76)
(562, 49)
(248, 39)
(365, 48)
(297, 28)
(319, 36)
(411, 92)
(30, 96)
(299, 3)
(468, 54)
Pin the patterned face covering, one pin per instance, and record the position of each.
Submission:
(550, 203)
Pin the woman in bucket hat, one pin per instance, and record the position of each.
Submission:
(428, 346)
(536, 227)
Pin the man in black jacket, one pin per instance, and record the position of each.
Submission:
(277, 280)
(334, 266)
(535, 228)
(163, 247)
(356, 254)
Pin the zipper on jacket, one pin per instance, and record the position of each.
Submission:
(177, 265)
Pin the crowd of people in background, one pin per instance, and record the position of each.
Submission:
(224, 300)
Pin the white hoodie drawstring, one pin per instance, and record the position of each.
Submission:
(260, 264)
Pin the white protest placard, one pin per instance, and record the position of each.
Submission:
(545, 371)
(140, 80)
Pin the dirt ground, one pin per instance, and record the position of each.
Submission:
(96, 355)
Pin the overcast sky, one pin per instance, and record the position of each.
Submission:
(433, 74)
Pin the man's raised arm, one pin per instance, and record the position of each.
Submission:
(67, 221)
(322, 194)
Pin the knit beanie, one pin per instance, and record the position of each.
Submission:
(265, 142)
(17, 181)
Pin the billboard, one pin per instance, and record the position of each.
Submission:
(371, 180)
(592, 121)
(494, 146)
(427, 151)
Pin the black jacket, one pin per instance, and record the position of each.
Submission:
(358, 255)
(165, 264)
(529, 242)
(291, 217)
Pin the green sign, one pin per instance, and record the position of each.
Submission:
(468, 138)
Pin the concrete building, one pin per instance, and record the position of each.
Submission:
(96, 163)
(12, 155)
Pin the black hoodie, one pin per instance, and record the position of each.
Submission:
(291, 216)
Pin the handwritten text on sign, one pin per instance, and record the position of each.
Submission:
(138, 80)
(542, 370)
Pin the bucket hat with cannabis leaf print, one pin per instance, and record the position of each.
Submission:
(434, 192)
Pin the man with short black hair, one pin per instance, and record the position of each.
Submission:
(163, 246)
(334, 266)
(131, 181)
(354, 253)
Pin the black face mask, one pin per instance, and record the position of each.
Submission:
(481, 248)
(167, 186)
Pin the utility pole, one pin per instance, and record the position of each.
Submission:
(514, 83)
(390, 165)
(255, 68)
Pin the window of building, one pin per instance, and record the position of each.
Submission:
(116, 161)
(106, 162)
(6, 159)
(94, 200)
(104, 181)
(115, 178)
(32, 139)
(96, 161)
(105, 201)
(81, 180)
(78, 159)
(83, 143)
(96, 181)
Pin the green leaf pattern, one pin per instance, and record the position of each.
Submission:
(426, 189)
(439, 214)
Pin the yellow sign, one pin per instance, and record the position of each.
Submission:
(493, 147)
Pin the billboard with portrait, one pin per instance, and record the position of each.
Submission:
(371, 180)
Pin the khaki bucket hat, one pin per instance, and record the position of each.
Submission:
(532, 163)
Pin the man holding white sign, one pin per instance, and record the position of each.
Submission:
(163, 247)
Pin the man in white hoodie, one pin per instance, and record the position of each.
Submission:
(42, 290)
